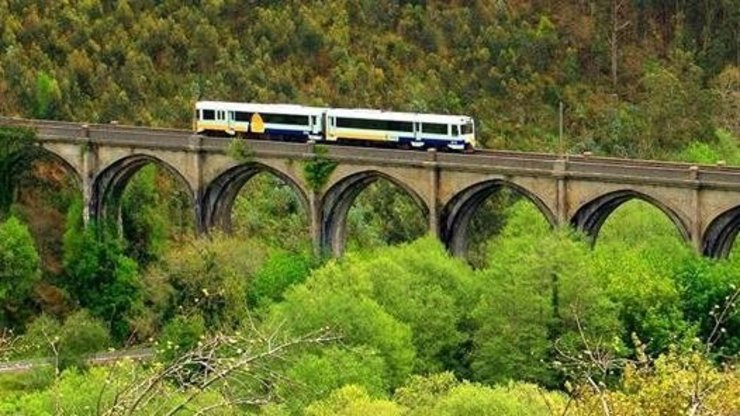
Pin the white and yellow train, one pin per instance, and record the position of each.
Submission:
(301, 123)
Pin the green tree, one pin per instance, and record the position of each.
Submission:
(100, 277)
(17, 151)
(143, 217)
(66, 344)
(357, 318)
(537, 298)
(19, 268)
(46, 96)
(353, 401)
(280, 271)
(313, 375)
(207, 277)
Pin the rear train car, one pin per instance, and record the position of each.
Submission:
(279, 121)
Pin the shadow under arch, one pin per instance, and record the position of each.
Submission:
(339, 199)
(457, 213)
(109, 184)
(218, 199)
(591, 216)
(721, 234)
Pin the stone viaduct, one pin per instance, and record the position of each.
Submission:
(702, 201)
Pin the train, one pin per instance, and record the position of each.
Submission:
(292, 122)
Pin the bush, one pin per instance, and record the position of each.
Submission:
(100, 277)
(281, 271)
(68, 344)
(19, 268)
(179, 336)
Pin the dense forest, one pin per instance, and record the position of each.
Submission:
(534, 321)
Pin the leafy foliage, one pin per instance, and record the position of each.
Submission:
(67, 344)
(280, 271)
(384, 214)
(268, 210)
(317, 170)
(240, 151)
(19, 267)
(202, 279)
(17, 151)
(100, 277)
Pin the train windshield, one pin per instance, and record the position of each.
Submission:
(467, 128)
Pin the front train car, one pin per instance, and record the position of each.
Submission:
(455, 132)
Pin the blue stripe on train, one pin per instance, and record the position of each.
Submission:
(431, 142)
(286, 132)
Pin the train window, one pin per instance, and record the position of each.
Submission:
(242, 116)
(455, 130)
(357, 123)
(209, 115)
(400, 126)
(285, 119)
(434, 128)
(467, 128)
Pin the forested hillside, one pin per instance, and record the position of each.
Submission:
(638, 78)
(535, 321)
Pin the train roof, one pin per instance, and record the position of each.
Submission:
(259, 108)
(399, 116)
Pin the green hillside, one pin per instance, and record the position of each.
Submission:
(645, 80)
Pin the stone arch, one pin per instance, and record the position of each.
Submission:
(721, 234)
(45, 154)
(218, 199)
(591, 216)
(109, 184)
(338, 200)
(457, 213)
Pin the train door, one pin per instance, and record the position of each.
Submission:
(417, 131)
(315, 125)
(314, 130)
(330, 123)
(230, 121)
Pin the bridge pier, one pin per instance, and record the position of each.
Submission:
(433, 201)
(561, 209)
(314, 201)
(695, 222)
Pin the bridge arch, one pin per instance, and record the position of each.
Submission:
(339, 199)
(457, 213)
(219, 196)
(590, 217)
(721, 234)
(43, 154)
(108, 185)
